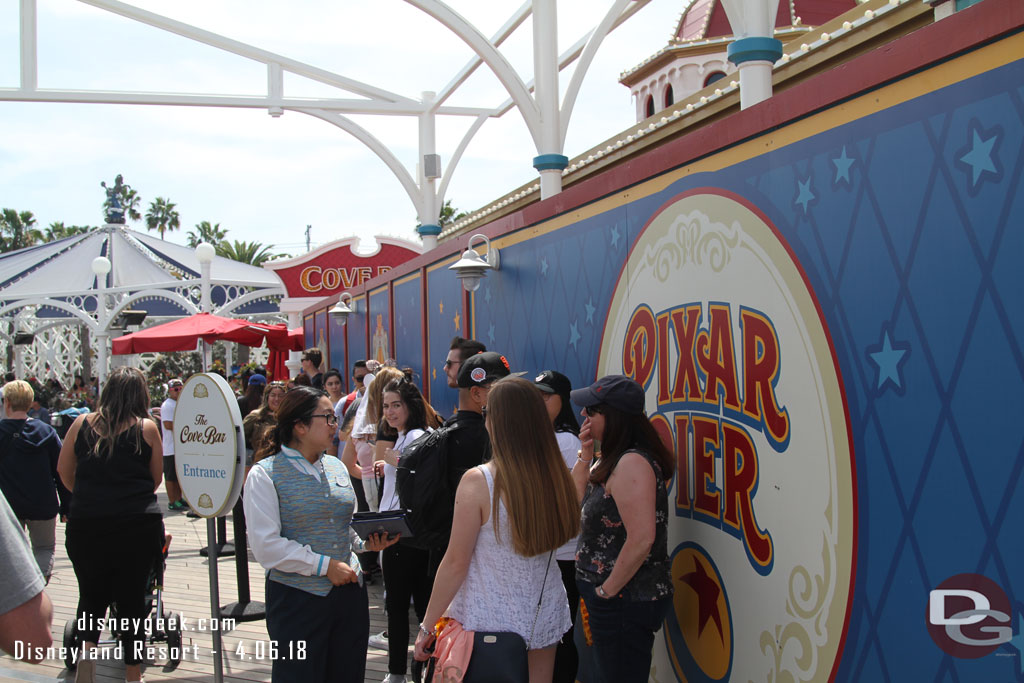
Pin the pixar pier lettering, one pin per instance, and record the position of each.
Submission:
(719, 389)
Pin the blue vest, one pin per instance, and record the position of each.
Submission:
(316, 513)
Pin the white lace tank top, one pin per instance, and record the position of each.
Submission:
(501, 589)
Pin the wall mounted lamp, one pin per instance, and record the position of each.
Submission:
(472, 267)
(341, 310)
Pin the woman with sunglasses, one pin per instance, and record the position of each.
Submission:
(298, 506)
(622, 563)
(404, 567)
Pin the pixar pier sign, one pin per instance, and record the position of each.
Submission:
(714, 317)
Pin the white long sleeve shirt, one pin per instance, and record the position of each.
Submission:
(263, 522)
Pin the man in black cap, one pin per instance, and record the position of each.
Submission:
(468, 445)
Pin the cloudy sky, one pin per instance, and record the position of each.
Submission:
(266, 178)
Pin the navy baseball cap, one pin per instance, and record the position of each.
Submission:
(483, 368)
(257, 379)
(617, 391)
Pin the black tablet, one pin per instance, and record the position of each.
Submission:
(388, 523)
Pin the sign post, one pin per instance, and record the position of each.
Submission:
(209, 455)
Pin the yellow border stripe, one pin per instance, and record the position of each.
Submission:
(407, 278)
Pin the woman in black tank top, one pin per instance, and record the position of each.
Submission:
(112, 461)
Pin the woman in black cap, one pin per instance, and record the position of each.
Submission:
(555, 388)
(622, 564)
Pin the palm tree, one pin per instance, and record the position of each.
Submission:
(162, 216)
(206, 233)
(17, 231)
(253, 253)
(58, 231)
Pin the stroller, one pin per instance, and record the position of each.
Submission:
(161, 624)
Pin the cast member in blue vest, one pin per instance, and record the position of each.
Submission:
(298, 505)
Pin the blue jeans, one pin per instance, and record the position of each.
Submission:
(623, 631)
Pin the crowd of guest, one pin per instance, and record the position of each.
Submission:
(553, 533)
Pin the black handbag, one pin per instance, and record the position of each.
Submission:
(501, 656)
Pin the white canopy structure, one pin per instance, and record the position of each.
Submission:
(87, 281)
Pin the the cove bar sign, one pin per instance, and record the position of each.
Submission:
(209, 452)
(336, 267)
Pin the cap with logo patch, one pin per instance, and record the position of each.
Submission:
(553, 382)
(617, 391)
(483, 368)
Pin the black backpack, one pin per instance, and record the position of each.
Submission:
(423, 491)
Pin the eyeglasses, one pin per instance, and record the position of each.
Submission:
(331, 418)
(591, 411)
(450, 363)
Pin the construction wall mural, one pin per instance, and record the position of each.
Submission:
(828, 320)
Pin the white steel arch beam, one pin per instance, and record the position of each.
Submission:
(510, 26)
(84, 317)
(244, 50)
(376, 146)
(153, 293)
(618, 13)
(442, 190)
(243, 300)
(504, 72)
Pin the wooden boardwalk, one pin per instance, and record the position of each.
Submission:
(187, 591)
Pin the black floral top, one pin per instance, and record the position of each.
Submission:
(602, 535)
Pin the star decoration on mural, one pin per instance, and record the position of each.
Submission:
(458, 318)
(490, 333)
(843, 164)
(433, 373)
(804, 195)
(707, 590)
(544, 266)
(487, 294)
(979, 158)
(615, 236)
(440, 306)
(589, 308)
(889, 357)
(574, 334)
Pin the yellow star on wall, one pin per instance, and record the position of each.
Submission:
(433, 373)
(457, 326)
(440, 305)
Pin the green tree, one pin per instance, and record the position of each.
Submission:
(162, 216)
(17, 230)
(58, 231)
(449, 214)
(206, 233)
(253, 253)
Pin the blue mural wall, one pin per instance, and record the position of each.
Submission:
(409, 325)
(380, 324)
(907, 223)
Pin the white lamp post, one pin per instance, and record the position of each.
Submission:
(101, 267)
(204, 254)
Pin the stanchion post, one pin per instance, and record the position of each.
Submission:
(218, 656)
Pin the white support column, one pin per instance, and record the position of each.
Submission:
(754, 51)
(429, 205)
(294, 362)
(29, 41)
(550, 161)
(101, 266)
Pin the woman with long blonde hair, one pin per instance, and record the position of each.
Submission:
(499, 572)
